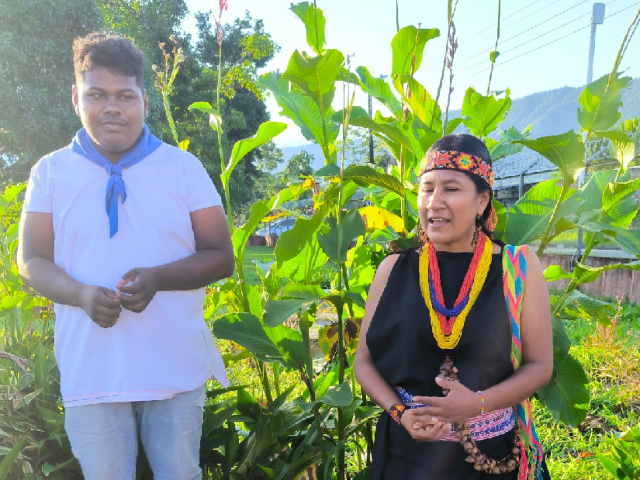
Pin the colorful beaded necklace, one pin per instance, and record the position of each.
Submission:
(447, 324)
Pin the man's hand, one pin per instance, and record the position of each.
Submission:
(422, 427)
(137, 288)
(460, 404)
(101, 304)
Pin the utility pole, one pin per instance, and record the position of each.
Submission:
(597, 18)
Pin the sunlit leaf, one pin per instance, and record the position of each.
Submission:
(407, 47)
(379, 89)
(420, 102)
(315, 76)
(376, 218)
(277, 311)
(314, 23)
(336, 241)
(338, 396)
(600, 102)
(247, 331)
(482, 114)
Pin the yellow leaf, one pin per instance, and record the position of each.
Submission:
(376, 218)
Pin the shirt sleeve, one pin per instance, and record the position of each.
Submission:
(39, 195)
(201, 192)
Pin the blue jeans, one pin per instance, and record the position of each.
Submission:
(104, 437)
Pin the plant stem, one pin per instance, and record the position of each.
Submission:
(546, 237)
(167, 112)
(397, 17)
(495, 49)
(444, 63)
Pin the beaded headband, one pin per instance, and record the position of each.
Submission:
(436, 159)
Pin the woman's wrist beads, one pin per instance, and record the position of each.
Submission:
(482, 412)
(396, 411)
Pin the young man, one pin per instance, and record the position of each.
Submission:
(127, 280)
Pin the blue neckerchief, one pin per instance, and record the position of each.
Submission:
(145, 145)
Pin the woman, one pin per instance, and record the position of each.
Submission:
(440, 311)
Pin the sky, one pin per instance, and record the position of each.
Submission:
(544, 44)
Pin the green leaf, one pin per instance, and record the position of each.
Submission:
(10, 457)
(482, 114)
(561, 341)
(247, 405)
(529, 217)
(259, 210)
(627, 240)
(493, 55)
(308, 293)
(315, 76)
(215, 118)
(338, 396)
(305, 265)
(420, 102)
(336, 243)
(504, 146)
(247, 331)
(600, 102)
(314, 23)
(609, 465)
(12, 191)
(184, 144)
(266, 131)
(615, 192)
(379, 89)
(580, 305)
(453, 124)
(501, 215)
(364, 176)
(360, 118)
(565, 151)
(555, 272)
(567, 396)
(408, 43)
(304, 112)
(291, 242)
(277, 311)
(328, 171)
(42, 379)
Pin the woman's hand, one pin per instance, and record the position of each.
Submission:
(460, 404)
(422, 427)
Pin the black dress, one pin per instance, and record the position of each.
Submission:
(405, 352)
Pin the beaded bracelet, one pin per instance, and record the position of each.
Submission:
(481, 402)
(396, 411)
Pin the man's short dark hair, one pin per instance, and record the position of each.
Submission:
(99, 49)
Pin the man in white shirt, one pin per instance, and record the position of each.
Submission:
(126, 271)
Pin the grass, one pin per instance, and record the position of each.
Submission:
(250, 269)
(611, 358)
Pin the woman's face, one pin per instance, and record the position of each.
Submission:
(448, 204)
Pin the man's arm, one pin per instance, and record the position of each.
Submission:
(36, 267)
(212, 261)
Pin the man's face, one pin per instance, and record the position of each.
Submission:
(112, 109)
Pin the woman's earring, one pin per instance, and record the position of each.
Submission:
(474, 240)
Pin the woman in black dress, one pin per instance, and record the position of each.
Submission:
(418, 327)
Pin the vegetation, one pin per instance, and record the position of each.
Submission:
(295, 411)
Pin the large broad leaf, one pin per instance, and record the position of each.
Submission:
(338, 396)
(581, 305)
(293, 241)
(379, 89)
(482, 114)
(504, 146)
(336, 241)
(315, 76)
(627, 240)
(277, 311)
(565, 151)
(259, 210)
(376, 218)
(407, 47)
(622, 150)
(303, 111)
(247, 331)
(600, 102)
(617, 192)
(529, 217)
(266, 131)
(290, 346)
(215, 118)
(420, 102)
(314, 23)
(364, 175)
(567, 396)
(304, 266)
(360, 118)
(308, 293)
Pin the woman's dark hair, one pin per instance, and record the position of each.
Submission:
(473, 146)
(99, 49)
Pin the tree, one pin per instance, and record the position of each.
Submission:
(357, 149)
(270, 157)
(298, 165)
(36, 74)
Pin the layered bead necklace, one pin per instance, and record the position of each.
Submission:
(447, 324)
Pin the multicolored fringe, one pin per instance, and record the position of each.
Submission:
(514, 268)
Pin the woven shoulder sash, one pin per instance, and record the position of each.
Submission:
(514, 268)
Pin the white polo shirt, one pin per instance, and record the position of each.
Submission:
(165, 350)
